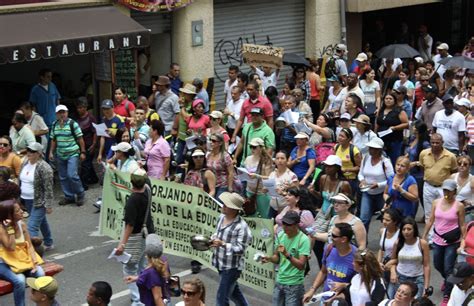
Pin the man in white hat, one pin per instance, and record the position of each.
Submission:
(337, 60)
(442, 49)
(231, 239)
(463, 106)
(68, 147)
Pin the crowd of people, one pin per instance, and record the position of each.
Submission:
(383, 139)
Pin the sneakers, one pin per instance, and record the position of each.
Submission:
(48, 248)
(65, 201)
(98, 204)
(445, 301)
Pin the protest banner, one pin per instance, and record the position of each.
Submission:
(262, 55)
(179, 212)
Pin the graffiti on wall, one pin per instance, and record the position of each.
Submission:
(326, 51)
(229, 51)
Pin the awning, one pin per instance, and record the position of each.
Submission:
(48, 34)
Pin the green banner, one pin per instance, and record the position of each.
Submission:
(179, 212)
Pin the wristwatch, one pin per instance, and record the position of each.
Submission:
(289, 256)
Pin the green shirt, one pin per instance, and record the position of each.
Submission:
(297, 246)
(183, 126)
(263, 131)
(66, 140)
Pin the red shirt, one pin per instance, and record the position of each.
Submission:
(122, 110)
(419, 97)
(262, 102)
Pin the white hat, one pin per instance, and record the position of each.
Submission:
(61, 107)
(301, 135)
(232, 200)
(419, 59)
(346, 116)
(375, 143)
(122, 147)
(198, 152)
(216, 114)
(341, 197)
(140, 172)
(341, 47)
(450, 185)
(332, 160)
(463, 102)
(443, 46)
(257, 142)
(361, 57)
(35, 146)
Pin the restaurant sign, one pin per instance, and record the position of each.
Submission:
(155, 5)
(74, 47)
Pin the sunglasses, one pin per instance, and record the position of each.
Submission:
(336, 236)
(286, 224)
(253, 147)
(188, 293)
(30, 151)
(4, 145)
(214, 140)
(463, 164)
(214, 119)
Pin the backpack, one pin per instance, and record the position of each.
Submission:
(71, 127)
(330, 69)
(351, 152)
(323, 150)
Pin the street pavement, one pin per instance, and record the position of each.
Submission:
(83, 253)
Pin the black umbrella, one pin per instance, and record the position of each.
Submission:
(397, 51)
(294, 59)
(457, 62)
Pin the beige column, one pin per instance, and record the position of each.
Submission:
(322, 26)
(194, 61)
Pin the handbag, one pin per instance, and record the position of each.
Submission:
(450, 237)
(19, 260)
(370, 109)
(144, 230)
(250, 203)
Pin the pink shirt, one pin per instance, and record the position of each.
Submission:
(470, 131)
(199, 125)
(262, 103)
(155, 154)
(445, 221)
(306, 219)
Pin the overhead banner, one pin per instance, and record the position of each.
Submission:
(155, 5)
(259, 55)
(179, 212)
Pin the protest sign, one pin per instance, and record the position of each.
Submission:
(262, 55)
(179, 212)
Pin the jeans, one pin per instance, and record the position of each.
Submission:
(180, 155)
(134, 268)
(229, 289)
(418, 280)
(38, 222)
(288, 295)
(69, 177)
(394, 150)
(18, 281)
(444, 258)
(369, 204)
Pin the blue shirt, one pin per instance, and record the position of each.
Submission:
(406, 206)
(175, 85)
(45, 101)
(302, 167)
(340, 268)
(113, 124)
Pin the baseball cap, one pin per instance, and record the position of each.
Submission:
(216, 114)
(443, 46)
(450, 185)
(361, 57)
(447, 98)
(256, 110)
(153, 246)
(332, 160)
(257, 142)
(198, 152)
(430, 88)
(345, 116)
(122, 147)
(341, 47)
(461, 271)
(401, 89)
(301, 135)
(463, 102)
(44, 284)
(291, 218)
(107, 104)
(341, 197)
(61, 107)
(35, 146)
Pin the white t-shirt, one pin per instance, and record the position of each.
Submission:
(267, 81)
(234, 107)
(458, 296)
(358, 291)
(449, 127)
(228, 89)
(369, 90)
(37, 124)
(27, 178)
(425, 53)
(438, 67)
(375, 173)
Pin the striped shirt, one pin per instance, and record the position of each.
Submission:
(237, 237)
(66, 144)
(470, 131)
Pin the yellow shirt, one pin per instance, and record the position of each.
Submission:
(436, 171)
(345, 156)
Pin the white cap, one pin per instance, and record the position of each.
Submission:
(341, 47)
(341, 197)
(257, 142)
(122, 147)
(332, 160)
(198, 152)
(61, 107)
(216, 114)
(419, 59)
(375, 143)
(346, 116)
(443, 46)
(35, 146)
(361, 57)
(463, 102)
(301, 135)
